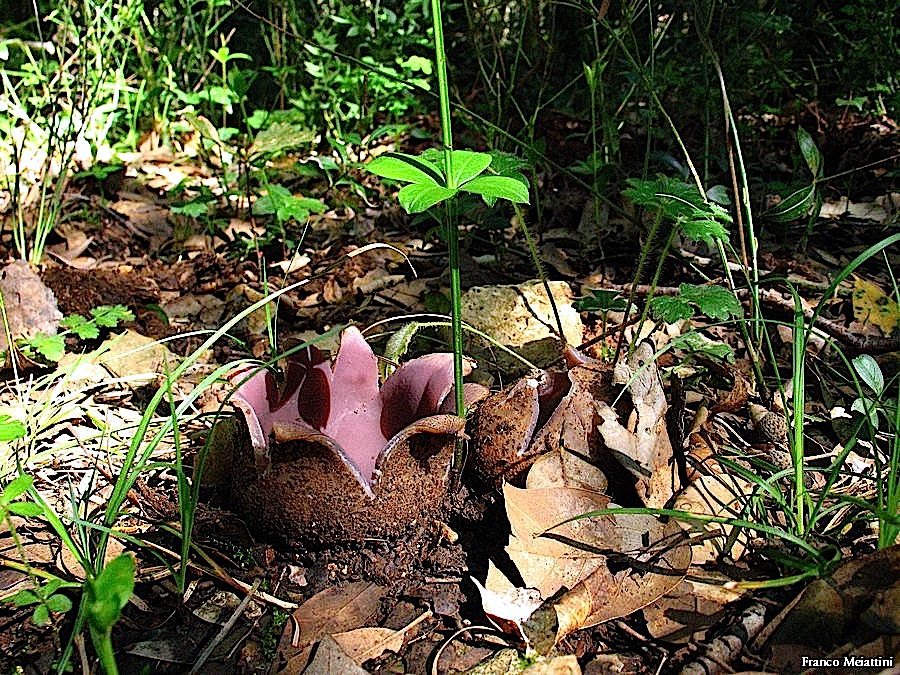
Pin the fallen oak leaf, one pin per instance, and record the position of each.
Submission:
(588, 568)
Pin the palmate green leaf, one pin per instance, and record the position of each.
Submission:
(418, 197)
(51, 347)
(716, 302)
(83, 328)
(400, 166)
(467, 164)
(498, 187)
(670, 308)
(110, 316)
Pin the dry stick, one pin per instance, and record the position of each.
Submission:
(226, 629)
(722, 651)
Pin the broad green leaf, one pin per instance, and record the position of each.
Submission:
(59, 603)
(468, 164)
(299, 208)
(796, 205)
(861, 404)
(41, 615)
(108, 593)
(418, 197)
(25, 509)
(719, 194)
(192, 209)
(717, 302)
(498, 187)
(810, 152)
(51, 347)
(400, 166)
(23, 598)
(16, 487)
(870, 372)
(10, 429)
(670, 308)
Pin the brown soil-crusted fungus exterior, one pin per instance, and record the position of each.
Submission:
(329, 457)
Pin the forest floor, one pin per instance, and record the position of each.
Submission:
(412, 603)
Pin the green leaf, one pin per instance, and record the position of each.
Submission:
(468, 164)
(59, 603)
(870, 372)
(498, 187)
(83, 328)
(41, 615)
(109, 592)
(192, 209)
(25, 509)
(110, 316)
(400, 166)
(717, 302)
(601, 301)
(670, 308)
(796, 205)
(23, 598)
(16, 488)
(10, 429)
(51, 347)
(810, 152)
(703, 229)
(419, 197)
(696, 343)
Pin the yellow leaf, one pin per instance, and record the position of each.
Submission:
(871, 305)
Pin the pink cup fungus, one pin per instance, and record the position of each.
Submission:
(333, 457)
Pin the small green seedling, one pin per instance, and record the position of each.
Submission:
(52, 347)
(44, 596)
(105, 597)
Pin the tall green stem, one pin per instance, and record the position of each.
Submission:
(449, 219)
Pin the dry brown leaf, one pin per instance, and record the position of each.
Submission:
(606, 566)
(645, 452)
(688, 610)
(336, 609)
(330, 659)
(561, 468)
(716, 494)
(363, 644)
